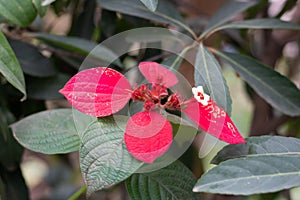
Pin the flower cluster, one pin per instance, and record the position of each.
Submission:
(102, 92)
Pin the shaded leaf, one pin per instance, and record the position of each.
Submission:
(252, 175)
(98, 91)
(267, 23)
(150, 4)
(226, 13)
(81, 46)
(165, 12)
(46, 88)
(104, 158)
(208, 74)
(172, 182)
(21, 13)
(10, 67)
(263, 145)
(32, 61)
(49, 132)
(275, 88)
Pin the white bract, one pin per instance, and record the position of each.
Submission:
(200, 96)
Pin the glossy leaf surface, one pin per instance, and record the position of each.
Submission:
(208, 74)
(275, 88)
(150, 4)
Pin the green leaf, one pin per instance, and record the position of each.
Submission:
(208, 73)
(104, 158)
(172, 182)
(165, 12)
(10, 67)
(265, 164)
(150, 4)
(262, 145)
(81, 46)
(18, 12)
(226, 13)
(267, 23)
(41, 9)
(252, 175)
(46, 88)
(32, 61)
(275, 88)
(49, 132)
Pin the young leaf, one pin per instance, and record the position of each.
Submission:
(150, 4)
(97, 91)
(267, 23)
(165, 12)
(104, 158)
(49, 132)
(148, 135)
(226, 13)
(23, 16)
(155, 73)
(276, 89)
(263, 173)
(172, 182)
(208, 74)
(270, 145)
(81, 46)
(10, 67)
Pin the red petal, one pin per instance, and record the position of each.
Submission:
(213, 120)
(155, 73)
(97, 91)
(147, 136)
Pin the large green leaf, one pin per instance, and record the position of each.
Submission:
(32, 61)
(165, 12)
(172, 182)
(268, 164)
(267, 23)
(208, 73)
(104, 158)
(10, 67)
(81, 46)
(252, 175)
(270, 145)
(226, 13)
(19, 12)
(275, 88)
(48, 132)
(150, 4)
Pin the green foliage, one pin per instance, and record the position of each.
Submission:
(177, 182)
(38, 61)
(263, 165)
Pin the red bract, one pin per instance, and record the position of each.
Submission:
(214, 120)
(103, 91)
(98, 91)
(148, 135)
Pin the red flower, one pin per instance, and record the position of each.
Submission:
(101, 92)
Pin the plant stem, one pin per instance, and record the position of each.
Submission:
(77, 194)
